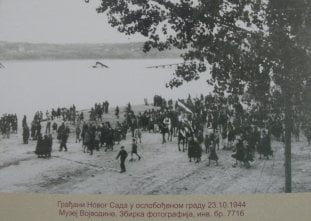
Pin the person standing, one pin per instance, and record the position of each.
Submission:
(97, 138)
(264, 147)
(164, 130)
(48, 127)
(117, 111)
(107, 107)
(110, 138)
(33, 131)
(24, 121)
(241, 153)
(212, 149)
(25, 134)
(64, 137)
(40, 146)
(78, 132)
(191, 148)
(60, 131)
(122, 155)
(50, 144)
(197, 150)
(54, 126)
(168, 124)
(137, 134)
(38, 127)
(91, 139)
(134, 150)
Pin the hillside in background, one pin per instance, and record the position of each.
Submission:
(29, 51)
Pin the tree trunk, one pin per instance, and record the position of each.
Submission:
(288, 132)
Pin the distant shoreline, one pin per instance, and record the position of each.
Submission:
(42, 51)
(86, 59)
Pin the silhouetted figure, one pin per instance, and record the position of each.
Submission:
(134, 150)
(123, 155)
(26, 133)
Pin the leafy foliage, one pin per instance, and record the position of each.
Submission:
(255, 47)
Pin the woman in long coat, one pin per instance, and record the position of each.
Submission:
(239, 155)
(91, 139)
(40, 146)
(264, 147)
(212, 146)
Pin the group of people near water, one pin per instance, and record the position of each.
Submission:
(96, 135)
(8, 124)
(44, 139)
(98, 110)
(203, 125)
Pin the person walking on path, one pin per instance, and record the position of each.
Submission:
(123, 155)
(134, 150)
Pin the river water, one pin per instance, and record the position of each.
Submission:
(28, 86)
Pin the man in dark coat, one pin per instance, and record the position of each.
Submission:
(207, 143)
(197, 150)
(50, 144)
(24, 121)
(83, 134)
(123, 155)
(264, 146)
(91, 139)
(117, 111)
(26, 134)
(110, 138)
(33, 131)
(38, 128)
(239, 155)
(46, 146)
(63, 138)
(191, 148)
(40, 146)
(60, 130)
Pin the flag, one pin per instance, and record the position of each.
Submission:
(180, 104)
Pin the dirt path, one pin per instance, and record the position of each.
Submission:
(162, 170)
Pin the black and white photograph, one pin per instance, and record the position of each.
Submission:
(155, 97)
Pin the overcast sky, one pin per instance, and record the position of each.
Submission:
(56, 21)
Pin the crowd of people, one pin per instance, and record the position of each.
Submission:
(203, 125)
(205, 121)
(67, 114)
(95, 135)
(8, 124)
(98, 110)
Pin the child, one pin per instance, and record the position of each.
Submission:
(137, 134)
(134, 150)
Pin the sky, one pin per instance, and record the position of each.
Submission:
(56, 21)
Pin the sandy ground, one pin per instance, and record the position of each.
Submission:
(162, 170)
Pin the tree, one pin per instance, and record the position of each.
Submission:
(289, 43)
(245, 46)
